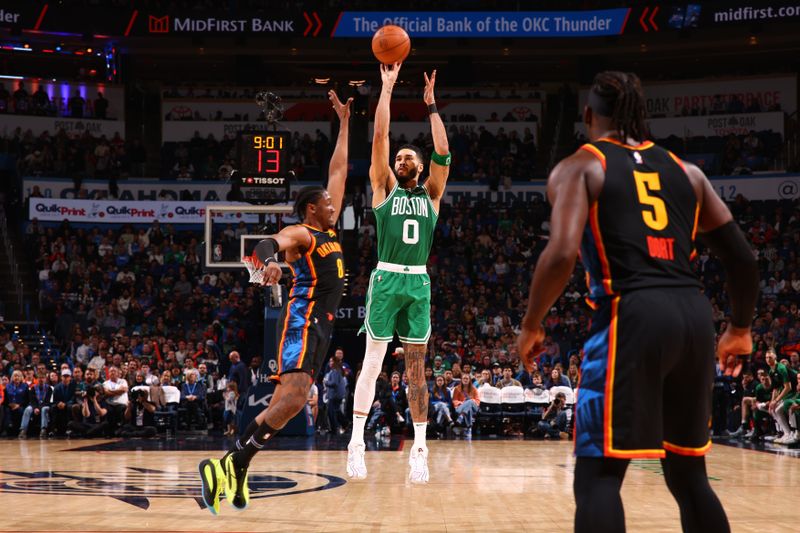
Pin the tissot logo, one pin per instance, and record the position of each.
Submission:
(158, 24)
(136, 486)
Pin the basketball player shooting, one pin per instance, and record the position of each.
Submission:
(314, 256)
(633, 209)
(399, 295)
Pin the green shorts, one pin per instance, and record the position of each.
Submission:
(398, 302)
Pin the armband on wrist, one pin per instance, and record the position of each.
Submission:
(265, 251)
(443, 160)
(432, 108)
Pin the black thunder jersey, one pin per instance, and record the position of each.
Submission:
(642, 227)
(319, 273)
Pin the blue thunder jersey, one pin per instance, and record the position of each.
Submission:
(641, 229)
(318, 274)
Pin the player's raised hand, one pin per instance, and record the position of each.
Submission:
(389, 73)
(530, 343)
(272, 274)
(429, 84)
(342, 109)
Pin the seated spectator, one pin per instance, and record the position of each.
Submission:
(441, 404)
(573, 375)
(507, 380)
(40, 398)
(466, 403)
(553, 424)
(485, 378)
(116, 393)
(63, 398)
(193, 398)
(16, 400)
(526, 378)
(557, 379)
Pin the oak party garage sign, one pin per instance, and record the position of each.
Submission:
(138, 486)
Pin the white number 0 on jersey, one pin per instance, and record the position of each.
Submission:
(410, 231)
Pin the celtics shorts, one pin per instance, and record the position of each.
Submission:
(398, 300)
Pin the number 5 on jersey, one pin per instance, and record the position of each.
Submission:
(645, 183)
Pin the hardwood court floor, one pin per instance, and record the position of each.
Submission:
(475, 486)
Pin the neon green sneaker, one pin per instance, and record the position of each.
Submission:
(212, 476)
(236, 490)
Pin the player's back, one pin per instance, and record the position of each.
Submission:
(642, 226)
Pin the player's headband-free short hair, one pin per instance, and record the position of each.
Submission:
(414, 148)
(307, 195)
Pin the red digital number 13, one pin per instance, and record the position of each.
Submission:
(269, 163)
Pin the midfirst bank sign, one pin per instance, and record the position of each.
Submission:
(172, 24)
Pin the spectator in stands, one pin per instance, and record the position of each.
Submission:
(380, 407)
(335, 395)
(441, 404)
(553, 424)
(76, 104)
(231, 396)
(239, 373)
(507, 380)
(484, 379)
(115, 390)
(312, 406)
(557, 379)
(41, 102)
(63, 398)
(21, 99)
(40, 398)
(100, 106)
(16, 400)
(466, 403)
(193, 398)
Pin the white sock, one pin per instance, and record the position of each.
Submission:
(420, 429)
(358, 429)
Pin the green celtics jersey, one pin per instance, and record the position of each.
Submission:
(405, 220)
(762, 393)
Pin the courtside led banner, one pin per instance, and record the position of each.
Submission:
(487, 24)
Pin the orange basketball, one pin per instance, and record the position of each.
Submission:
(391, 44)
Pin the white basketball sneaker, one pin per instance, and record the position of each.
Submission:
(418, 461)
(356, 467)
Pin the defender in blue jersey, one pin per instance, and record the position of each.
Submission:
(314, 256)
(632, 210)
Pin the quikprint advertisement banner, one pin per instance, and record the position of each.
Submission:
(122, 212)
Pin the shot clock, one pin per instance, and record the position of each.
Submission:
(264, 163)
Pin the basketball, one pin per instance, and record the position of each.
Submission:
(391, 44)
